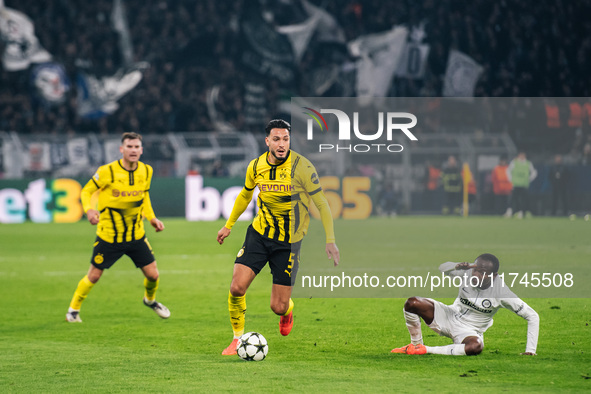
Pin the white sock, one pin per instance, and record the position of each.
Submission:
(413, 323)
(449, 350)
(149, 302)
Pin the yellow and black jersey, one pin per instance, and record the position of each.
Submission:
(284, 197)
(123, 201)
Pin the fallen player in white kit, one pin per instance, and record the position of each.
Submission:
(471, 314)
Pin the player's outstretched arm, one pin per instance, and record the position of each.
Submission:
(520, 308)
(239, 207)
(332, 251)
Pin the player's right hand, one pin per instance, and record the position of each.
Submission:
(223, 234)
(464, 266)
(93, 216)
(332, 251)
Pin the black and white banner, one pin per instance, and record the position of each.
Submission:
(379, 57)
(413, 63)
(21, 45)
(461, 75)
(267, 52)
(98, 97)
(327, 28)
(50, 83)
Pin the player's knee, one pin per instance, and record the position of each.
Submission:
(152, 276)
(237, 290)
(94, 275)
(93, 278)
(279, 308)
(474, 348)
(412, 304)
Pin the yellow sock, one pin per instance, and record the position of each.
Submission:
(290, 307)
(237, 308)
(151, 288)
(81, 292)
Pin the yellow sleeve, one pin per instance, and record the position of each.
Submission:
(244, 197)
(148, 210)
(150, 172)
(308, 179)
(95, 183)
(240, 206)
(321, 203)
(86, 194)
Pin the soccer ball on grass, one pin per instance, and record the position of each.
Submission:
(252, 346)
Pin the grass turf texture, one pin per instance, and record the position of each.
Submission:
(338, 344)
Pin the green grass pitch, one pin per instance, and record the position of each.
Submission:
(337, 344)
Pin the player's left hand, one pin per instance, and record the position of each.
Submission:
(332, 251)
(157, 224)
(465, 266)
(528, 354)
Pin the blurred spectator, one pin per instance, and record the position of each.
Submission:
(470, 184)
(432, 178)
(193, 46)
(451, 178)
(586, 156)
(387, 200)
(502, 188)
(521, 173)
(219, 170)
(559, 179)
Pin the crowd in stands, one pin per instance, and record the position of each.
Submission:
(527, 49)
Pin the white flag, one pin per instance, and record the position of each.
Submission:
(98, 97)
(21, 45)
(299, 35)
(119, 21)
(327, 28)
(380, 54)
(461, 75)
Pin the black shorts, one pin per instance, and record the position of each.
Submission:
(283, 257)
(105, 254)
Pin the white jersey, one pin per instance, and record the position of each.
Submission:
(476, 307)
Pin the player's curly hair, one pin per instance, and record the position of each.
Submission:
(277, 124)
(491, 258)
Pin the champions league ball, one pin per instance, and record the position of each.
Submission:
(252, 346)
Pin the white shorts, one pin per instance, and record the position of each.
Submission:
(445, 324)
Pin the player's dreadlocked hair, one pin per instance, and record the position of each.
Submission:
(277, 124)
(491, 258)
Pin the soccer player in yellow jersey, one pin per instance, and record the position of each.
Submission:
(123, 202)
(287, 182)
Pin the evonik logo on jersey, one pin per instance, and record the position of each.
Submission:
(390, 119)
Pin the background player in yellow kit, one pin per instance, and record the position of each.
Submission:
(286, 181)
(124, 201)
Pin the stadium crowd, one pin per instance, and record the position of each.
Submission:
(541, 50)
